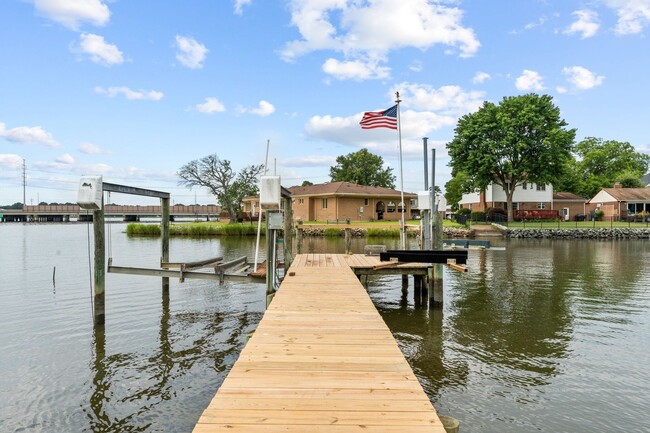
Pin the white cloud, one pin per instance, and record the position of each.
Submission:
(587, 24)
(369, 30)
(529, 80)
(90, 149)
(65, 159)
(28, 135)
(355, 69)
(449, 100)
(71, 13)
(416, 66)
(633, 15)
(480, 77)
(151, 95)
(582, 78)
(346, 130)
(99, 50)
(264, 108)
(190, 53)
(239, 6)
(211, 105)
(10, 161)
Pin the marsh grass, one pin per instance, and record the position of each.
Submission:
(194, 230)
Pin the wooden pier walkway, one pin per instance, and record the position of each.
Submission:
(321, 360)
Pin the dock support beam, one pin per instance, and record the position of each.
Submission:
(288, 234)
(348, 240)
(435, 289)
(164, 228)
(99, 282)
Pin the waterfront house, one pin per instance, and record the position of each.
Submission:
(569, 205)
(620, 203)
(526, 197)
(341, 201)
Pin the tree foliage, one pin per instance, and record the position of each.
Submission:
(600, 163)
(218, 176)
(523, 139)
(455, 188)
(362, 168)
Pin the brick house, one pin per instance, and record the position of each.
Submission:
(569, 205)
(340, 201)
(526, 197)
(619, 203)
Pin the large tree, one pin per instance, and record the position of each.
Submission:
(454, 189)
(601, 163)
(522, 139)
(362, 168)
(218, 176)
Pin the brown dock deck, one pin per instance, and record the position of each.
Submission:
(321, 360)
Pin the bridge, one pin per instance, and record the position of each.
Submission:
(66, 213)
(321, 359)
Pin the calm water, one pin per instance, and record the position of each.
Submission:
(544, 336)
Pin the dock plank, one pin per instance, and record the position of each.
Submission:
(321, 360)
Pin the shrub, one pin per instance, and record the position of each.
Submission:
(598, 214)
(464, 211)
(332, 233)
(478, 216)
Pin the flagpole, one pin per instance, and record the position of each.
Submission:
(401, 172)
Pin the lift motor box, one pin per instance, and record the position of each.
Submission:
(89, 195)
(270, 192)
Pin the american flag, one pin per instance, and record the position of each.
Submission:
(380, 119)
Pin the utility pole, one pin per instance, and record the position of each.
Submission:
(24, 185)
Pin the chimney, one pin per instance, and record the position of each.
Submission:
(618, 185)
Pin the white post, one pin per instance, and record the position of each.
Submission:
(401, 174)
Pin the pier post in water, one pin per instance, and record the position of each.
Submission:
(99, 281)
(164, 228)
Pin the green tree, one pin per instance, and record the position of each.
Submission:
(362, 168)
(523, 139)
(601, 163)
(217, 175)
(455, 188)
(306, 183)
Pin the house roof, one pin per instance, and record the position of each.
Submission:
(568, 196)
(622, 194)
(345, 188)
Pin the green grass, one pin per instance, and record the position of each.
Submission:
(195, 230)
(332, 233)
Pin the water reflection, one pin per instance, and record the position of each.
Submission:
(142, 391)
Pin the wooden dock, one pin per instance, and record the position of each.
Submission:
(321, 360)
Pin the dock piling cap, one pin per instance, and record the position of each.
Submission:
(451, 424)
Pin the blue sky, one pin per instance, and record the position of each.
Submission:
(132, 90)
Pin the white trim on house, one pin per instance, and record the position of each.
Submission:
(495, 193)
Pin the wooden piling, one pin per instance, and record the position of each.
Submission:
(348, 240)
(288, 234)
(435, 289)
(164, 228)
(299, 240)
(99, 281)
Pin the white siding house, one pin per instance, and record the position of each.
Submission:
(528, 196)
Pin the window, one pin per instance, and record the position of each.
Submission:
(324, 202)
(390, 207)
(301, 201)
(366, 202)
(541, 187)
(524, 185)
(541, 205)
(515, 205)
